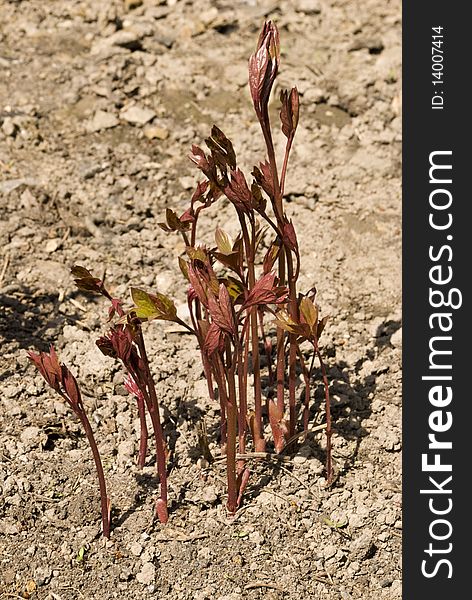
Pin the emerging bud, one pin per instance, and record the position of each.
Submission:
(263, 67)
(290, 111)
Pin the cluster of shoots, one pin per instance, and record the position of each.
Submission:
(246, 311)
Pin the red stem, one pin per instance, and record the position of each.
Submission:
(104, 500)
(230, 402)
(329, 432)
(306, 377)
(153, 407)
(259, 442)
(143, 433)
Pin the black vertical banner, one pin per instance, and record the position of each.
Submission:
(437, 238)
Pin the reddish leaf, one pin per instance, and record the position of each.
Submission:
(199, 285)
(221, 149)
(265, 292)
(270, 257)
(321, 326)
(263, 176)
(263, 66)
(85, 281)
(238, 192)
(72, 389)
(199, 192)
(213, 339)
(290, 237)
(221, 310)
(290, 111)
(132, 387)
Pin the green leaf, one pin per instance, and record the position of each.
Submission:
(153, 306)
(81, 554)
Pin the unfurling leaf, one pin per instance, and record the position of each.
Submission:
(263, 67)
(221, 149)
(213, 339)
(285, 322)
(258, 200)
(132, 387)
(70, 385)
(85, 281)
(290, 237)
(183, 267)
(289, 111)
(321, 326)
(265, 291)
(271, 257)
(238, 192)
(223, 241)
(48, 365)
(173, 222)
(221, 310)
(263, 176)
(309, 312)
(153, 306)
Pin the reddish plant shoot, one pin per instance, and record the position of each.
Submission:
(235, 294)
(64, 383)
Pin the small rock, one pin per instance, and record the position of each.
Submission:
(209, 495)
(102, 120)
(256, 537)
(137, 115)
(51, 246)
(125, 450)
(131, 40)
(153, 132)
(9, 127)
(147, 574)
(329, 551)
(396, 339)
(33, 436)
(136, 548)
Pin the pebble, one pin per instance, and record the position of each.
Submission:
(153, 132)
(8, 127)
(136, 548)
(33, 436)
(122, 39)
(102, 120)
(396, 339)
(147, 574)
(137, 115)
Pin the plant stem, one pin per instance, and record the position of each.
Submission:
(104, 500)
(153, 407)
(306, 377)
(143, 433)
(259, 442)
(230, 402)
(329, 432)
